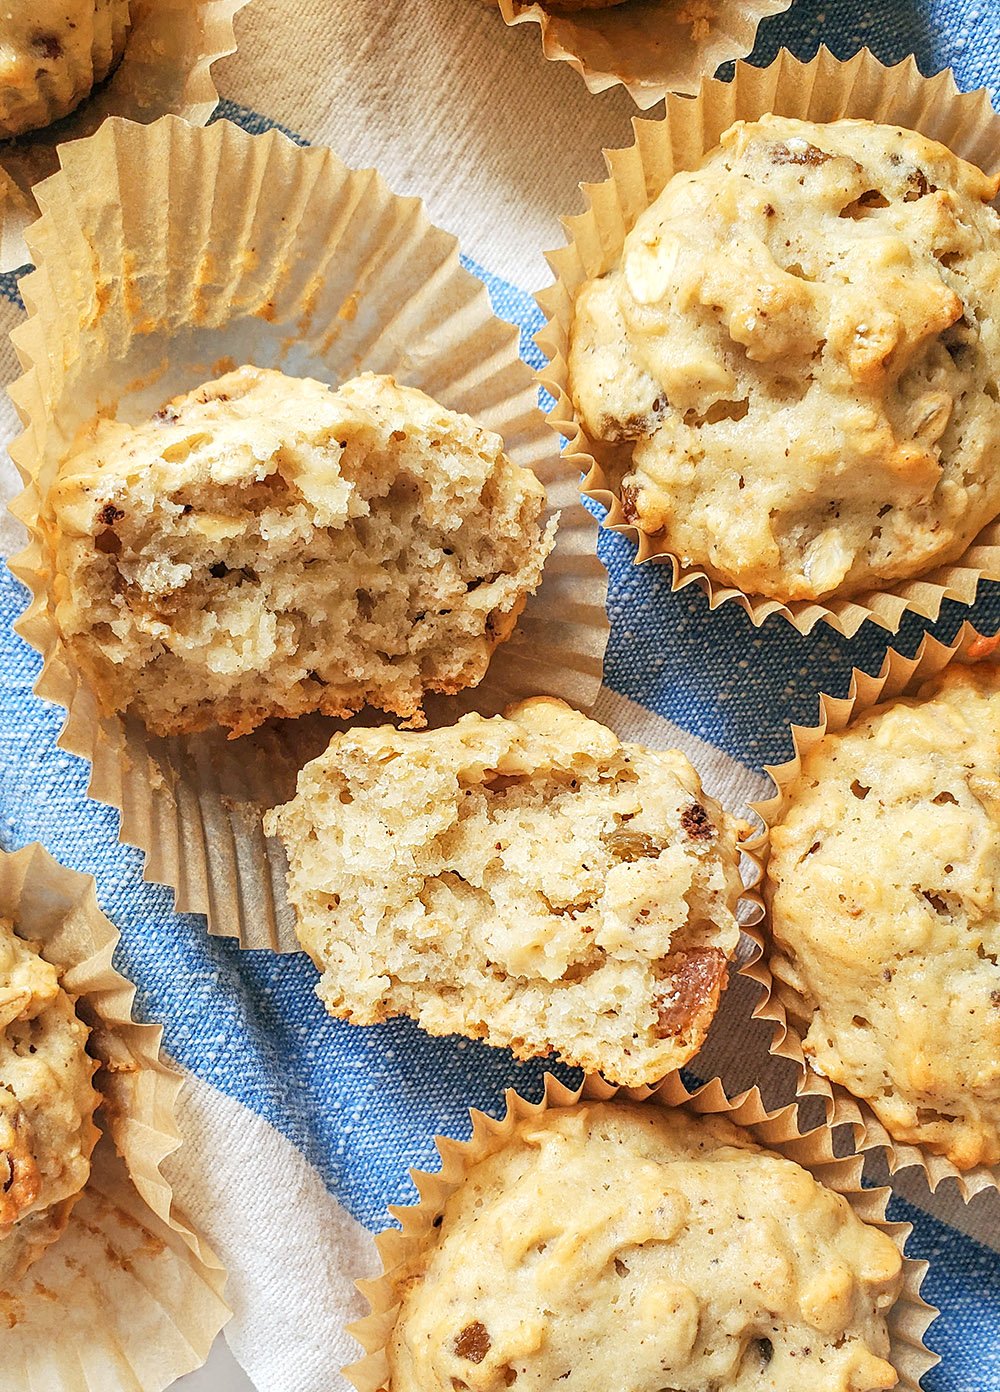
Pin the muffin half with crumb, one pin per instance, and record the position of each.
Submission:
(528, 880)
(266, 546)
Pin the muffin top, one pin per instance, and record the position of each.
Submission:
(884, 879)
(47, 1104)
(801, 343)
(528, 879)
(608, 1237)
(52, 53)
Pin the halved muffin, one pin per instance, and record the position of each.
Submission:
(528, 880)
(266, 546)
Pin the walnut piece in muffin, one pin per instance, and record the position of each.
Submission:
(883, 881)
(610, 1237)
(47, 1103)
(266, 546)
(528, 880)
(52, 54)
(799, 350)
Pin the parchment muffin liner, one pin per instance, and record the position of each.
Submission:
(778, 1130)
(129, 1296)
(166, 69)
(650, 47)
(824, 89)
(780, 1006)
(166, 253)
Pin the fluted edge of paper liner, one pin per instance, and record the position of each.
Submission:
(349, 277)
(649, 47)
(127, 1249)
(898, 676)
(779, 1131)
(166, 68)
(824, 89)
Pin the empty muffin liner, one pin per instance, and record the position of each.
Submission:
(129, 1296)
(166, 68)
(779, 1131)
(824, 89)
(781, 1006)
(166, 253)
(650, 47)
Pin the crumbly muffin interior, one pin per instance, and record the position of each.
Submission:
(611, 1239)
(527, 880)
(266, 546)
(884, 874)
(800, 348)
(47, 1103)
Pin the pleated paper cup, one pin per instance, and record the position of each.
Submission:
(650, 47)
(166, 69)
(165, 253)
(824, 89)
(129, 1296)
(781, 1006)
(778, 1131)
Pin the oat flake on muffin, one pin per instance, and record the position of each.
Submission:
(528, 880)
(884, 875)
(797, 356)
(609, 1239)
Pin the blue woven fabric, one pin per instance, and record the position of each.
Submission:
(363, 1104)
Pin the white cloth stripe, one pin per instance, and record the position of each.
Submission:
(723, 777)
(293, 1253)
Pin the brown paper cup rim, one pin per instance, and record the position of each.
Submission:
(824, 89)
(649, 47)
(898, 676)
(166, 68)
(348, 277)
(57, 908)
(778, 1131)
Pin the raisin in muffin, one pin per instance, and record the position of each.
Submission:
(266, 546)
(52, 54)
(883, 881)
(610, 1236)
(527, 880)
(47, 1103)
(797, 359)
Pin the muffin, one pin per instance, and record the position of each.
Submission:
(528, 880)
(47, 1104)
(266, 546)
(790, 377)
(610, 1236)
(883, 883)
(52, 54)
